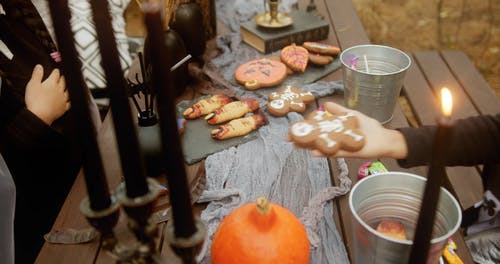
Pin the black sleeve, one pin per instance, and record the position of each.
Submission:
(475, 140)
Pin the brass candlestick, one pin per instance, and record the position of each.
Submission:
(273, 18)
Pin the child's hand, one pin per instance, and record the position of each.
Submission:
(379, 141)
(48, 99)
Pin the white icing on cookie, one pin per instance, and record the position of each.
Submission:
(344, 117)
(329, 142)
(353, 135)
(302, 129)
(277, 104)
(319, 115)
(331, 125)
(295, 103)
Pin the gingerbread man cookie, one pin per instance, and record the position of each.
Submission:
(288, 99)
(328, 133)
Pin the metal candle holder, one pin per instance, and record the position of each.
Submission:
(139, 210)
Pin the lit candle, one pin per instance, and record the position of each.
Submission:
(95, 179)
(128, 144)
(173, 157)
(435, 177)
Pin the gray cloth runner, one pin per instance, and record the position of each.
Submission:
(272, 167)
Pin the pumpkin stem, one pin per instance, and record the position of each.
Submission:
(263, 205)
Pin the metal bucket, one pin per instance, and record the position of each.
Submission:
(396, 196)
(373, 77)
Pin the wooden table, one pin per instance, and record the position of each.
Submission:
(429, 72)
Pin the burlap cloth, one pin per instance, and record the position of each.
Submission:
(271, 166)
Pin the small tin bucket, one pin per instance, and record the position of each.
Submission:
(373, 76)
(397, 196)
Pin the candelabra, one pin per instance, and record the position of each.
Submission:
(139, 210)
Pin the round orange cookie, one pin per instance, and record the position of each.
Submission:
(260, 73)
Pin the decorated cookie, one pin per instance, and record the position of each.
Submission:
(328, 133)
(260, 73)
(321, 48)
(238, 127)
(295, 57)
(277, 58)
(206, 106)
(320, 59)
(288, 99)
(232, 110)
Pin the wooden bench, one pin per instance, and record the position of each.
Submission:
(430, 71)
(472, 96)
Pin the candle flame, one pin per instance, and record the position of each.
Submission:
(446, 101)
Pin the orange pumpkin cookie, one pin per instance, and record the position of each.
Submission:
(288, 99)
(321, 48)
(260, 73)
(232, 110)
(277, 58)
(238, 127)
(328, 133)
(206, 106)
(295, 57)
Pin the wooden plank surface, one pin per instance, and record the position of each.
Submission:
(465, 181)
(475, 86)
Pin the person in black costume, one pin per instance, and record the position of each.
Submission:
(38, 137)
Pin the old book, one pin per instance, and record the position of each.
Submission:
(307, 26)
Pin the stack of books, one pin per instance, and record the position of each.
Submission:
(306, 26)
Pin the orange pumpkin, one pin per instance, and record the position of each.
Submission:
(258, 233)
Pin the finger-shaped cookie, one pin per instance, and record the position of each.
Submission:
(238, 127)
(232, 110)
(288, 99)
(321, 48)
(328, 133)
(206, 106)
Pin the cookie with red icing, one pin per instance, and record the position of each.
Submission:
(288, 99)
(295, 57)
(328, 133)
(260, 73)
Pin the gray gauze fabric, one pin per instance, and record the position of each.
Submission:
(288, 176)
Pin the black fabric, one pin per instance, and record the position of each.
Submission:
(475, 141)
(25, 11)
(43, 160)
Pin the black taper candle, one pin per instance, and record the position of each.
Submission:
(180, 199)
(126, 136)
(435, 176)
(95, 179)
